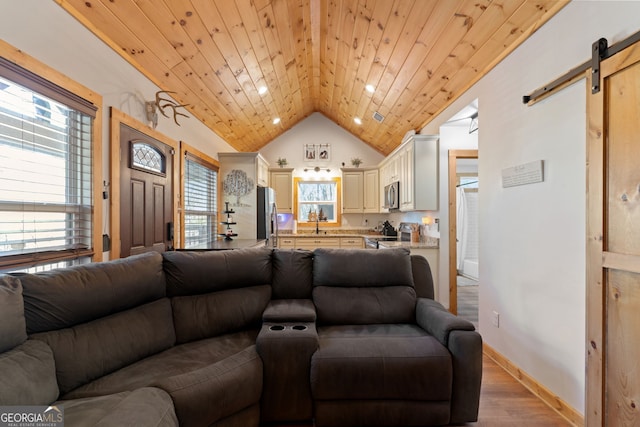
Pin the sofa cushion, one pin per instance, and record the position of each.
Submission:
(91, 350)
(361, 306)
(217, 313)
(233, 383)
(360, 268)
(142, 407)
(13, 330)
(28, 375)
(175, 361)
(369, 367)
(66, 297)
(292, 273)
(290, 310)
(192, 273)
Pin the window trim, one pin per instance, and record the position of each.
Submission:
(93, 101)
(205, 160)
(304, 224)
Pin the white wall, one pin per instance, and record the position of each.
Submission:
(317, 129)
(532, 237)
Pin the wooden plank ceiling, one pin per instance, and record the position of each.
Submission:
(313, 55)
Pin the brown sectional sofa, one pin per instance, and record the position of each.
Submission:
(239, 338)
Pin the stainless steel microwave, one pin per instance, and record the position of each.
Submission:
(392, 196)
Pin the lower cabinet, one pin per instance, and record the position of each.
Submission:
(312, 243)
(317, 242)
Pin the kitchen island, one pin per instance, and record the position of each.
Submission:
(428, 248)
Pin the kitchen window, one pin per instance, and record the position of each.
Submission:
(317, 202)
(200, 189)
(46, 173)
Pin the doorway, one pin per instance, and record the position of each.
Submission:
(143, 199)
(454, 157)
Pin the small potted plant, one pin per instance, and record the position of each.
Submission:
(356, 161)
(282, 162)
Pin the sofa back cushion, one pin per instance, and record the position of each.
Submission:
(208, 315)
(91, 350)
(28, 375)
(13, 331)
(217, 292)
(292, 274)
(66, 297)
(193, 273)
(357, 286)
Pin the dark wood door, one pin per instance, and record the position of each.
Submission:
(146, 211)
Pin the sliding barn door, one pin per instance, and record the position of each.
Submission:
(613, 275)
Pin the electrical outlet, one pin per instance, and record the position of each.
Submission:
(495, 319)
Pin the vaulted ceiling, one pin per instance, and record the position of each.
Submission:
(313, 55)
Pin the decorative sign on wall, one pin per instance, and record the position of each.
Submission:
(528, 173)
(317, 152)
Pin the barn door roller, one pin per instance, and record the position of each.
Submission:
(599, 51)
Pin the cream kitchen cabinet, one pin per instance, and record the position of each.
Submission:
(415, 165)
(419, 175)
(286, 242)
(282, 182)
(360, 191)
(312, 243)
(371, 191)
(352, 192)
(262, 172)
(352, 242)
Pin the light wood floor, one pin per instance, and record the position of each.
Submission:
(505, 403)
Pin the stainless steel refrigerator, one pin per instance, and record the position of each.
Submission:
(267, 216)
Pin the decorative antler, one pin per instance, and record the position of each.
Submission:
(171, 104)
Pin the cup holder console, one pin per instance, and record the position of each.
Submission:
(282, 327)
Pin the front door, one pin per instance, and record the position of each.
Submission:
(146, 209)
(613, 263)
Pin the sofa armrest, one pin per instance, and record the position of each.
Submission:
(438, 321)
(290, 310)
(465, 346)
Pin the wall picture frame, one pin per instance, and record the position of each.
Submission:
(309, 152)
(317, 152)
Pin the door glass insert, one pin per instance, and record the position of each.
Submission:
(147, 158)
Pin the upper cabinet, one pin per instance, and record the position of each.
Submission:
(415, 165)
(359, 190)
(282, 182)
(262, 171)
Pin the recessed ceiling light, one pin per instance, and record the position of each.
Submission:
(370, 88)
(357, 120)
(262, 90)
(276, 120)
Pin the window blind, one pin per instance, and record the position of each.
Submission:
(46, 199)
(200, 202)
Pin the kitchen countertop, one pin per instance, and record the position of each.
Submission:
(431, 243)
(222, 244)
